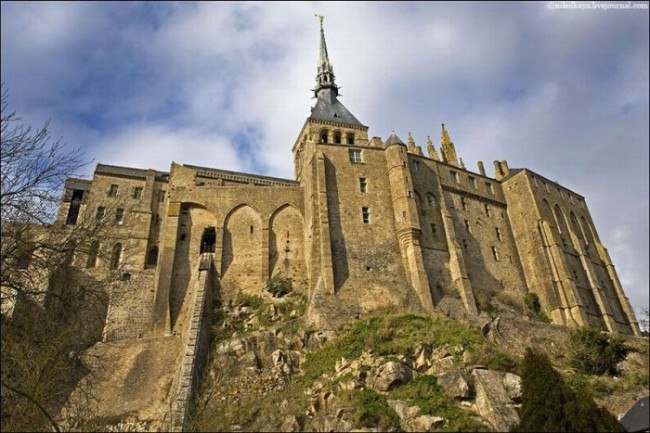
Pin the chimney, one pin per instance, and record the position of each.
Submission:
(481, 168)
(504, 167)
(498, 170)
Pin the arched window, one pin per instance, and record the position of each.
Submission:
(575, 226)
(209, 239)
(92, 254)
(116, 256)
(152, 257)
(324, 136)
(431, 201)
(337, 137)
(350, 139)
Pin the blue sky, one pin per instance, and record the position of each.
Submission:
(562, 92)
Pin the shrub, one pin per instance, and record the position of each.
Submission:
(594, 352)
(549, 404)
(532, 302)
(370, 409)
(278, 285)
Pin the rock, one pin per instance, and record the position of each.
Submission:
(279, 358)
(237, 346)
(422, 358)
(425, 423)
(349, 385)
(492, 401)
(440, 352)
(291, 424)
(467, 358)
(454, 384)
(341, 364)
(512, 383)
(390, 375)
(442, 365)
(402, 410)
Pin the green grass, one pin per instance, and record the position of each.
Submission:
(370, 409)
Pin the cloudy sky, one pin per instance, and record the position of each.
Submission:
(562, 92)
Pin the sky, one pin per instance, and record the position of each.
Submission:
(227, 85)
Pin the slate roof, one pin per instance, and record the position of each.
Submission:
(329, 109)
(394, 139)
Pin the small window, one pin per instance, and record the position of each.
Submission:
(92, 255)
(365, 215)
(152, 257)
(472, 182)
(350, 139)
(161, 196)
(209, 240)
(324, 136)
(430, 200)
(112, 190)
(355, 156)
(119, 216)
(434, 231)
(495, 254)
(463, 203)
(488, 187)
(416, 165)
(116, 256)
(363, 184)
(487, 210)
(454, 176)
(467, 226)
(498, 232)
(137, 193)
(337, 138)
(101, 211)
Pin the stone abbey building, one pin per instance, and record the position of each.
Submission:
(366, 223)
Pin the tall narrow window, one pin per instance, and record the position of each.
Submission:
(119, 216)
(463, 203)
(137, 193)
(101, 210)
(472, 182)
(161, 196)
(365, 215)
(93, 251)
(467, 226)
(112, 190)
(488, 187)
(495, 254)
(75, 206)
(116, 256)
(152, 257)
(363, 184)
(430, 200)
(498, 232)
(434, 231)
(487, 210)
(324, 136)
(355, 156)
(337, 138)
(454, 176)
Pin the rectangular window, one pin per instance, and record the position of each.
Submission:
(454, 176)
(472, 182)
(112, 190)
(119, 216)
(101, 210)
(495, 254)
(161, 196)
(365, 215)
(137, 193)
(498, 232)
(463, 203)
(363, 184)
(416, 165)
(434, 231)
(487, 210)
(467, 227)
(355, 156)
(488, 187)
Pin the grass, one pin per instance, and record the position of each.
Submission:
(370, 409)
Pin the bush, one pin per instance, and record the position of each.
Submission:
(279, 285)
(594, 352)
(370, 409)
(548, 404)
(532, 302)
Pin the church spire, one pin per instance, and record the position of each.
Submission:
(324, 71)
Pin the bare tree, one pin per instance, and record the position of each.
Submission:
(48, 303)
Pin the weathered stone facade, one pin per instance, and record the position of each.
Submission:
(365, 224)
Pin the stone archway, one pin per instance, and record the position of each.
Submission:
(286, 245)
(241, 266)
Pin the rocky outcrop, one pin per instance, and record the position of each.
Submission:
(492, 401)
(389, 375)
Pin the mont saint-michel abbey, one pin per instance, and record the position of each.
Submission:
(366, 223)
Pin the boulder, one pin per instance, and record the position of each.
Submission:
(454, 384)
(403, 411)
(389, 375)
(492, 400)
(512, 383)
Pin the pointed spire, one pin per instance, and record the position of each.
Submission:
(447, 148)
(432, 150)
(324, 71)
(411, 143)
(462, 164)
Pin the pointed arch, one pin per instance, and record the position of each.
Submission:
(286, 244)
(587, 230)
(575, 226)
(241, 265)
